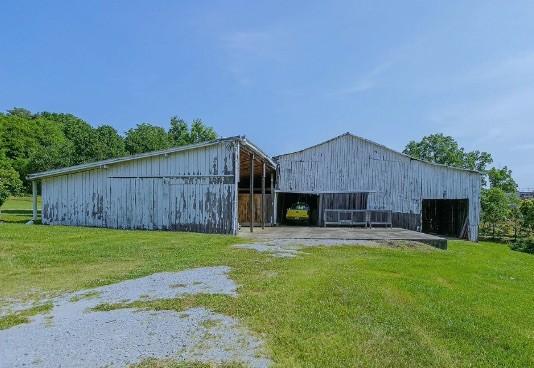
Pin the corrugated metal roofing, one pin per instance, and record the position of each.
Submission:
(83, 167)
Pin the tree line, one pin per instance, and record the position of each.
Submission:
(33, 142)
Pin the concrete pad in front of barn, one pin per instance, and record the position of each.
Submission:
(289, 241)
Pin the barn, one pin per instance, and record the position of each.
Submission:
(222, 185)
(190, 188)
(350, 180)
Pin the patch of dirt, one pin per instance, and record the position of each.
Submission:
(290, 248)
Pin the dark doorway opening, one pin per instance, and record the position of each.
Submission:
(286, 200)
(445, 216)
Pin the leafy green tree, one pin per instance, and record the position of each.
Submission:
(43, 141)
(515, 216)
(502, 178)
(54, 150)
(10, 183)
(437, 148)
(495, 204)
(19, 111)
(179, 132)
(145, 138)
(444, 150)
(89, 144)
(527, 212)
(20, 140)
(201, 133)
(109, 144)
(82, 136)
(476, 160)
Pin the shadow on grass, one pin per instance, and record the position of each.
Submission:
(18, 212)
(17, 216)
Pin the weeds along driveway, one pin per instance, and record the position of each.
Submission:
(102, 327)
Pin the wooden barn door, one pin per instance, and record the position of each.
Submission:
(244, 209)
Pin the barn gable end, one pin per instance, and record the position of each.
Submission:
(393, 181)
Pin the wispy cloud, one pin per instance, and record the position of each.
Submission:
(377, 76)
(509, 72)
(251, 43)
(523, 147)
(248, 51)
(512, 69)
(500, 121)
(364, 82)
(509, 115)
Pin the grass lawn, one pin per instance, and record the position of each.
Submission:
(18, 210)
(470, 306)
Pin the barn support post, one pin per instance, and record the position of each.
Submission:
(34, 200)
(251, 194)
(237, 170)
(263, 197)
(273, 221)
(320, 214)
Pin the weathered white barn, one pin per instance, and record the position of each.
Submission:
(217, 186)
(349, 180)
(190, 188)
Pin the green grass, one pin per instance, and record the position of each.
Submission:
(151, 363)
(23, 316)
(18, 210)
(470, 306)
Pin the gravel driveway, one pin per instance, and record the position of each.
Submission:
(73, 335)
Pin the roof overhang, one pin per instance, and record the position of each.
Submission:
(105, 163)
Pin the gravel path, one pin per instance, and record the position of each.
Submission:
(72, 335)
(164, 285)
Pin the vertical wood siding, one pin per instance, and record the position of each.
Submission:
(395, 181)
(191, 190)
(243, 212)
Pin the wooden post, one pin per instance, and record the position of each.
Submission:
(237, 171)
(263, 197)
(34, 200)
(320, 211)
(251, 194)
(273, 218)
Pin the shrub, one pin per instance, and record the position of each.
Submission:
(10, 183)
(525, 245)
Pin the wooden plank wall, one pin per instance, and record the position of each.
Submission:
(344, 201)
(191, 190)
(244, 209)
(395, 181)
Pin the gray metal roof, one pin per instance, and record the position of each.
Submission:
(91, 165)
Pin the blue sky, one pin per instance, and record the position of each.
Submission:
(286, 74)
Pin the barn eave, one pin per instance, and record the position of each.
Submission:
(243, 141)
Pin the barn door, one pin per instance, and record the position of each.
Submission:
(244, 209)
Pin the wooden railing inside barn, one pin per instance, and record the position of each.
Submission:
(358, 217)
